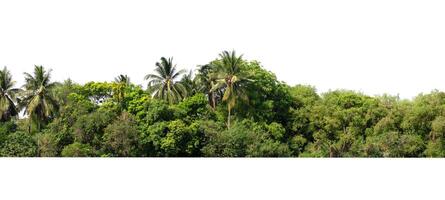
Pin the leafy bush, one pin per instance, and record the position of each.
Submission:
(78, 150)
(121, 137)
(19, 144)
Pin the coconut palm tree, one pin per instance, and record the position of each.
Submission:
(163, 84)
(231, 78)
(122, 81)
(205, 80)
(7, 96)
(63, 90)
(38, 99)
(189, 83)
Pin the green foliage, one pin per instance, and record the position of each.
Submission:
(424, 109)
(136, 100)
(174, 138)
(62, 91)
(297, 144)
(5, 129)
(230, 107)
(163, 84)
(89, 128)
(193, 108)
(8, 94)
(191, 86)
(276, 130)
(205, 80)
(47, 145)
(230, 78)
(151, 137)
(394, 144)
(148, 111)
(300, 120)
(39, 100)
(76, 106)
(341, 121)
(121, 137)
(180, 140)
(98, 92)
(19, 144)
(246, 138)
(78, 150)
(304, 95)
(269, 100)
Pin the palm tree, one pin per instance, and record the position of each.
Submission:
(231, 78)
(122, 81)
(38, 99)
(7, 95)
(63, 90)
(189, 83)
(205, 81)
(163, 84)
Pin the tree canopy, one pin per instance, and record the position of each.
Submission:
(228, 107)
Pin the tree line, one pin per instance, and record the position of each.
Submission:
(229, 107)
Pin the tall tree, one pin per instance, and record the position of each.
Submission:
(230, 76)
(189, 83)
(122, 81)
(7, 95)
(205, 82)
(38, 98)
(163, 84)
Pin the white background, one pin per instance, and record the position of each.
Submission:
(222, 179)
(371, 46)
(379, 46)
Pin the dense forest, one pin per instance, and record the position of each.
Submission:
(229, 107)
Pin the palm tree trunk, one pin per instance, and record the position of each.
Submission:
(209, 99)
(213, 100)
(228, 118)
(30, 125)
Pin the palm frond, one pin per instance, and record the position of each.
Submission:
(163, 84)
